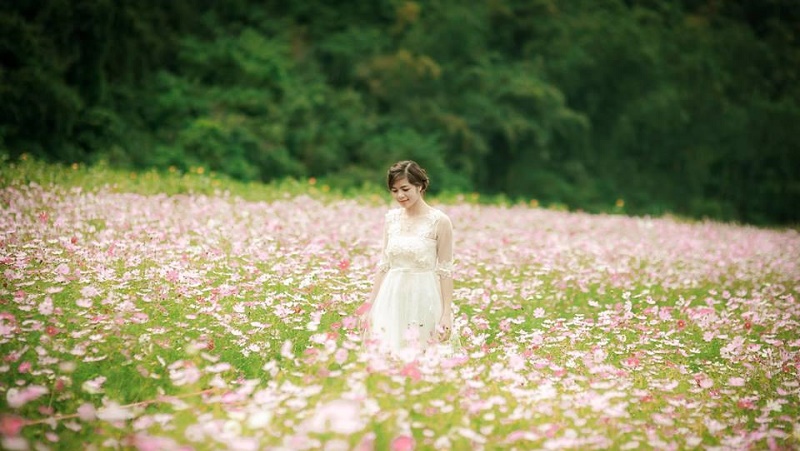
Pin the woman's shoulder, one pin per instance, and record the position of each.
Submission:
(440, 216)
(439, 213)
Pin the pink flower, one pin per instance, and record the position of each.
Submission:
(349, 322)
(403, 443)
(46, 307)
(24, 367)
(453, 362)
(114, 412)
(94, 386)
(364, 308)
(338, 416)
(411, 370)
(11, 425)
(505, 325)
(18, 398)
(286, 350)
(89, 292)
(150, 443)
(746, 404)
(631, 361)
(703, 381)
(736, 382)
(340, 356)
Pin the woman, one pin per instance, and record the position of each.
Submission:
(411, 300)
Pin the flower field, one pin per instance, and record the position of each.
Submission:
(207, 321)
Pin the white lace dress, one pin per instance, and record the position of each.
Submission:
(417, 252)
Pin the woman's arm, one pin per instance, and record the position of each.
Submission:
(377, 280)
(380, 272)
(444, 269)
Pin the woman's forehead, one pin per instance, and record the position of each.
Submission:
(399, 183)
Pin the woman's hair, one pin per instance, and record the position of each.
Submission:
(410, 171)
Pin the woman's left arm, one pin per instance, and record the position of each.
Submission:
(444, 269)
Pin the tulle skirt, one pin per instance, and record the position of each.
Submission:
(407, 310)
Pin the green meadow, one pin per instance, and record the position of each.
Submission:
(185, 310)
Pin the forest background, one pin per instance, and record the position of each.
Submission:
(687, 106)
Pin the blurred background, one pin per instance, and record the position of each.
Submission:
(683, 106)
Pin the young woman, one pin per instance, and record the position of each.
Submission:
(411, 300)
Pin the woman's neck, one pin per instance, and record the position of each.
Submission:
(419, 208)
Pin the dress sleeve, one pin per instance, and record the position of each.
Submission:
(444, 247)
(383, 263)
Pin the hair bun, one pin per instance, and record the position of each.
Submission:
(409, 170)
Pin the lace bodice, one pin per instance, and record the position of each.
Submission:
(418, 243)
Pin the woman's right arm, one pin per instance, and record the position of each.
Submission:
(383, 267)
(377, 280)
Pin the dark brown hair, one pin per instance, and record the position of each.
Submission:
(410, 171)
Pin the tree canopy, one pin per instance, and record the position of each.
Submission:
(690, 106)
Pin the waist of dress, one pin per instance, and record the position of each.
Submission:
(412, 270)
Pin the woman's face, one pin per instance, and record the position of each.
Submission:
(405, 193)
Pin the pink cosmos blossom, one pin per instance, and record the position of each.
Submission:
(113, 412)
(505, 325)
(144, 442)
(11, 425)
(46, 306)
(87, 412)
(736, 382)
(521, 435)
(89, 292)
(364, 308)
(341, 356)
(62, 269)
(17, 398)
(338, 416)
(411, 370)
(286, 350)
(703, 381)
(349, 322)
(403, 443)
(94, 386)
(14, 444)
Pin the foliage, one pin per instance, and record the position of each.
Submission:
(687, 107)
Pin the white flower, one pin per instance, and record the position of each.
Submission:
(259, 419)
(231, 429)
(94, 386)
(114, 412)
